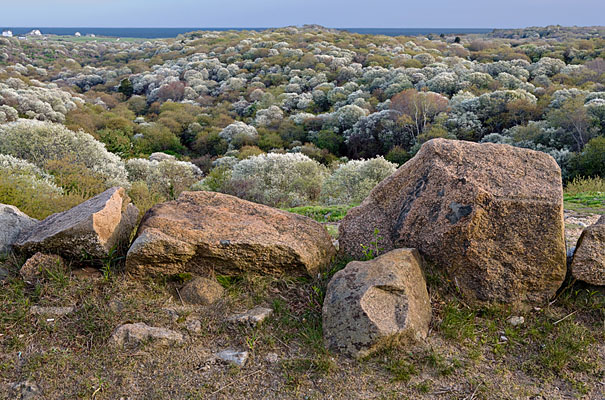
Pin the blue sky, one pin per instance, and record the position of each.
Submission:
(274, 13)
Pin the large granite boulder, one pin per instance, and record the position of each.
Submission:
(371, 302)
(12, 223)
(90, 230)
(202, 232)
(490, 214)
(588, 262)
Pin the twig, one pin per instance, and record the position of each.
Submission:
(474, 392)
(96, 391)
(565, 317)
(179, 293)
(234, 382)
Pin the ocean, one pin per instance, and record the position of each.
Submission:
(154, 33)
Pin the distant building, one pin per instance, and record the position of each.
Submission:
(78, 34)
(35, 32)
(91, 35)
(7, 33)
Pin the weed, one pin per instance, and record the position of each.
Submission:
(373, 250)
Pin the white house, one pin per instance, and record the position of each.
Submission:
(35, 32)
(78, 34)
(7, 33)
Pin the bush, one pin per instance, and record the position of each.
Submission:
(167, 178)
(285, 180)
(591, 161)
(40, 142)
(353, 181)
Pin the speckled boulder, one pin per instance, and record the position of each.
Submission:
(89, 230)
(368, 303)
(489, 214)
(201, 232)
(588, 262)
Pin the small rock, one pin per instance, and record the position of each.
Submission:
(503, 338)
(3, 274)
(194, 326)
(25, 391)
(202, 291)
(272, 358)
(173, 314)
(135, 334)
(34, 267)
(57, 311)
(238, 358)
(516, 320)
(252, 317)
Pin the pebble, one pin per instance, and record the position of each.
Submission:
(516, 320)
(252, 317)
(238, 358)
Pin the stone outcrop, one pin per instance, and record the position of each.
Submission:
(588, 262)
(490, 214)
(12, 223)
(90, 230)
(370, 302)
(205, 231)
(136, 334)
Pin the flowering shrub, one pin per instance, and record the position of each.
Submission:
(39, 142)
(289, 179)
(352, 181)
(167, 177)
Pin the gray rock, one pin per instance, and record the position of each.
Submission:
(3, 274)
(272, 358)
(25, 390)
(12, 223)
(55, 311)
(92, 229)
(252, 317)
(194, 326)
(135, 334)
(516, 320)
(202, 291)
(369, 303)
(238, 358)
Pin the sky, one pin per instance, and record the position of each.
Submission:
(278, 13)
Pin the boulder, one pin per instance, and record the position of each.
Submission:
(371, 302)
(12, 223)
(202, 232)
(136, 334)
(34, 267)
(90, 230)
(202, 291)
(588, 262)
(489, 214)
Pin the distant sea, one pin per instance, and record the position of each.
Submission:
(154, 33)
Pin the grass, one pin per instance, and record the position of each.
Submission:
(585, 194)
(322, 213)
(464, 354)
